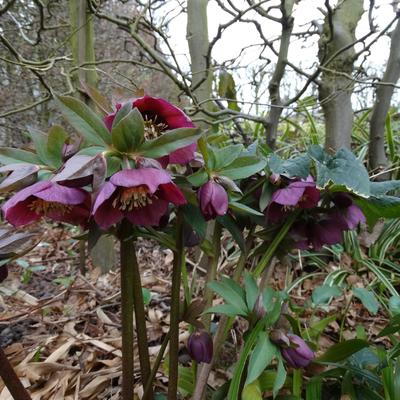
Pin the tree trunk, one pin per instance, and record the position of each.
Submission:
(377, 154)
(271, 126)
(82, 43)
(336, 84)
(197, 37)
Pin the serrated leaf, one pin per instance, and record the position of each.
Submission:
(128, 133)
(169, 141)
(367, 298)
(243, 167)
(260, 358)
(84, 120)
(343, 350)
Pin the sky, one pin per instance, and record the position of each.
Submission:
(301, 53)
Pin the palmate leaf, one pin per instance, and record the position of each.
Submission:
(335, 170)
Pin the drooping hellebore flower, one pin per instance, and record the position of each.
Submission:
(200, 347)
(347, 212)
(50, 200)
(314, 233)
(140, 195)
(299, 194)
(213, 200)
(159, 117)
(297, 354)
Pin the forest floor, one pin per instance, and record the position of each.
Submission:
(61, 329)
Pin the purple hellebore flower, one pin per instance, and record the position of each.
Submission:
(316, 233)
(161, 116)
(140, 195)
(50, 200)
(303, 194)
(200, 347)
(348, 213)
(298, 354)
(213, 200)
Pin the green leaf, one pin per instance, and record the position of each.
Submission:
(335, 170)
(266, 195)
(230, 224)
(170, 141)
(260, 358)
(195, 219)
(343, 350)
(394, 305)
(392, 327)
(242, 208)
(227, 89)
(226, 309)
(9, 155)
(298, 167)
(84, 120)
(221, 157)
(232, 293)
(367, 298)
(280, 377)
(243, 167)
(381, 188)
(55, 142)
(322, 294)
(199, 178)
(252, 391)
(379, 207)
(128, 133)
(251, 289)
(314, 388)
(146, 296)
(39, 140)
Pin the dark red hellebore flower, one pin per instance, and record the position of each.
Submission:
(213, 200)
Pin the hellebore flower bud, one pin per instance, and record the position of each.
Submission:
(213, 200)
(275, 178)
(200, 346)
(279, 337)
(259, 309)
(298, 354)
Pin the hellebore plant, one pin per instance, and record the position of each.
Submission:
(118, 179)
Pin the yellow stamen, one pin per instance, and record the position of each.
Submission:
(43, 207)
(130, 198)
(153, 129)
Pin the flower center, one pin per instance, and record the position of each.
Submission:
(135, 197)
(153, 129)
(43, 207)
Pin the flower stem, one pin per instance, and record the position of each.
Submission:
(127, 311)
(11, 379)
(265, 259)
(212, 272)
(141, 330)
(175, 302)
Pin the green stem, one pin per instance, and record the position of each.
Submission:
(141, 330)
(127, 312)
(297, 382)
(265, 259)
(156, 365)
(175, 302)
(212, 272)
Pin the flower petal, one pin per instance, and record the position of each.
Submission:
(149, 215)
(170, 192)
(20, 214)
(150, 177)
(104, 194)
(62, 194)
